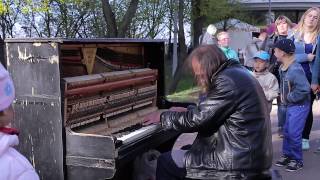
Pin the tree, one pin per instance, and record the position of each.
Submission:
(206, 12)
(9, 16)
(182, 47)
(118, 29)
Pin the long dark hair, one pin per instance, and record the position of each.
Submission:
(210, 58)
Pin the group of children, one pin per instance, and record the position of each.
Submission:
(294, 96)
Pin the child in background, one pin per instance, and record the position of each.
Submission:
(267, 80)
(295, 94)
(13, 165)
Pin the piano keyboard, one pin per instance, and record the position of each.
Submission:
(139, 133)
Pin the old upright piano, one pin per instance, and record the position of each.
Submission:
(80, 104)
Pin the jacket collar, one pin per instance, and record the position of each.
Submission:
(285, 67)
(226, 64)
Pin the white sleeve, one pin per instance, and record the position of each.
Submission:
(29, 175)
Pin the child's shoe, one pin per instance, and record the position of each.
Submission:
(283, 161)
(294, 166)
(305, 144)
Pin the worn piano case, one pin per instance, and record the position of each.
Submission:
(44, 72)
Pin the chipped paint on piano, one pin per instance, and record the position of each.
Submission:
(80, 103)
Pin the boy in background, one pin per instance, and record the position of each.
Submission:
(267, 80)
(13, 165)
(295, 95)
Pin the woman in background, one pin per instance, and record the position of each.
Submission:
(306, 38)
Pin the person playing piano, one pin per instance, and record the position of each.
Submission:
(233, 125)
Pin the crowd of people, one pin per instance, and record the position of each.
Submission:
(289, 56)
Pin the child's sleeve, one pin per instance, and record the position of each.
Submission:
(273, 89)
(299, 85)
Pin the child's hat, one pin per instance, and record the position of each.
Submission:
(6, 89)
(286, 45)
(263, 55)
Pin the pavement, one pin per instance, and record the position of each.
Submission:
(311, 169)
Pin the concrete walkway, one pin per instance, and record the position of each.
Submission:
(311, 170)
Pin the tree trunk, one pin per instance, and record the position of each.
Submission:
(197, 21)
(127, 18)
(110, 18)
(182, 49)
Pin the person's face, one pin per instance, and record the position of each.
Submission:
(279, 54)
(224, 40)
(311, 19)
(282, 28)
(197, 70)
(259, 65)
(6, 116)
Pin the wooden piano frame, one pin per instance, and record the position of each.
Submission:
(37, 67)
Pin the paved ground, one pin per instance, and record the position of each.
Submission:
(311, 170)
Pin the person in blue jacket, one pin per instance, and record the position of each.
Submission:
(306, 39)
(295, 95)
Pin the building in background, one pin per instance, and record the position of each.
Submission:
(290, 8)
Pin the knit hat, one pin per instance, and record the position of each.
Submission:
(263, 55)
(211, 30)
(6, 89)
(286, 45)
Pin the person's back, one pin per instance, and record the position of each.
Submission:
(243, 141)
(13, 165)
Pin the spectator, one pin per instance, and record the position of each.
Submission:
(12, 164)
(257, 44)
(306, 37)
(207, 38)
(223, 42)
(233, 125)
(295, 94)
(267, 80)
(283, 26)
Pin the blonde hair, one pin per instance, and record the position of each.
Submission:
(281, 19)
(300, 27)
(221, 34)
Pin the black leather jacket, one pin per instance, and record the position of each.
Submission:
(233, 125)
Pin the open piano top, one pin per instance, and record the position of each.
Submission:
(112, 103)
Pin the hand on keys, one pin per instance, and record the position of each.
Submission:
(154, 117)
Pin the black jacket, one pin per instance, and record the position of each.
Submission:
(233, 125)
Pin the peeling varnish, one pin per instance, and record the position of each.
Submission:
(8, 61)
(54, 59)
(23, 55)
(37, 44)
(54, 45)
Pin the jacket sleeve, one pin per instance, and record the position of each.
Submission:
(273, 89)
(299, 85)
(211, 113)
(29, 174)
(316, 65)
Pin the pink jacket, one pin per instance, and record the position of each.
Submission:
(13, 165)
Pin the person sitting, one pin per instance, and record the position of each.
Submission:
(233, 125)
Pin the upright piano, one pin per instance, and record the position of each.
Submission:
(80, 104)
